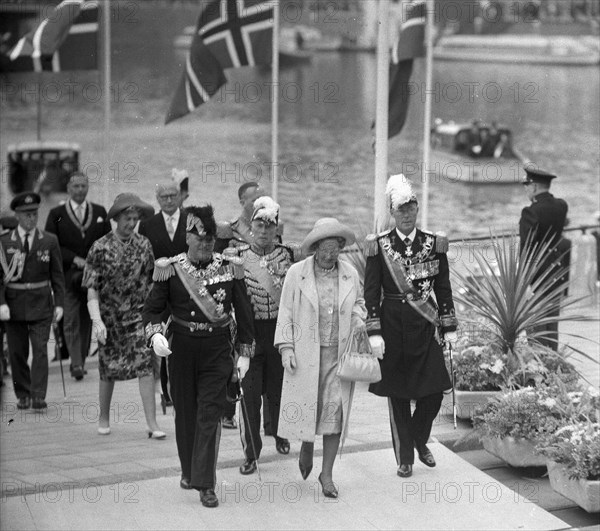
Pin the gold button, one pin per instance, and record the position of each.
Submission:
(192, 313)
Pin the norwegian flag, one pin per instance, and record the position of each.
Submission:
(64, 40)
(229, 34)
(411, 44)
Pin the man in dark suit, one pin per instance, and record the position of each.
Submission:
(32, 292)
(544, 221)
(77, 224)
(166, 232)
(411, 311)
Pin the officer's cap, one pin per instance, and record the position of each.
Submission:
(26, 202)
(534, 175)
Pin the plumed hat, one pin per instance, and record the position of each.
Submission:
(201, 220)
(267, 209)
(399, 191)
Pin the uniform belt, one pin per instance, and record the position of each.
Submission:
(28, 285)
(403, 297)
(196, 327)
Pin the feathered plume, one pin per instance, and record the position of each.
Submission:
(179, 175)
(399, 191)
(267, 209)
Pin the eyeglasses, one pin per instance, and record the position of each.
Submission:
(168, 197)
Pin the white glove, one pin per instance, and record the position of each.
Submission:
(288, 360)
(357, 324)
(58, 313)
(98, 327)
(160, 345)
(377, 346)
(4, 313)
(243, 364)
(451, 337)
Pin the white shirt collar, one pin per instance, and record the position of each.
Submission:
(22, 232)
(412, 235)
(75, 205)
(175, 217)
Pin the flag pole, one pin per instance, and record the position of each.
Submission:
(429, 5)
(381, 115)
(106, 59)
(275, 104)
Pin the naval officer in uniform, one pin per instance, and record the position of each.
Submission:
(201, 288)
(409, 268)
(32, 293)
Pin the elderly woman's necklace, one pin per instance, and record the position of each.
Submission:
(325, 269)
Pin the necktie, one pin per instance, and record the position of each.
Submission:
(80, 213)
(407, 242)
(26, 243)
(170, 227)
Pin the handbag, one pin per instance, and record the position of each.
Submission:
(357, 363)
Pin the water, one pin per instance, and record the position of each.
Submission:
(325, 139)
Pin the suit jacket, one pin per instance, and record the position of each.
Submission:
(156, 231)
(42, 263)
(75, 240)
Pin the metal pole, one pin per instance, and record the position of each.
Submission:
(275, 104)
(427, 119)
(381, 116)
(106, 82)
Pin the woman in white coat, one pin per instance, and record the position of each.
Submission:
(321, 302)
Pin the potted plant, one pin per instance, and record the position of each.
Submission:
(501, 299)
(573, 454)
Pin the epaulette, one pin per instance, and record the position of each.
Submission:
(238, 269)
(163, 269)
(371, 246)
(224, 230)
(295, 249)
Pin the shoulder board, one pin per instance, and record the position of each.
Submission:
(295, 250)
(224, 230)
(442, 244)
(370, 246)
(233, 259)
(163, 269)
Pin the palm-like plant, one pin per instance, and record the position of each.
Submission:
(516, 293)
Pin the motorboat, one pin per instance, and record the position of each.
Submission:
(475, 153)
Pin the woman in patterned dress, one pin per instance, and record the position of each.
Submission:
(321, 304)
(118, 275)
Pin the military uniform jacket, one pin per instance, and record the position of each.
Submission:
(75, 237)
(413, 364)
(221, 281)
(43, 263)
(156, 231)
(544, 218)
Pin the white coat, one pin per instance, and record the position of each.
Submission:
(297, 327)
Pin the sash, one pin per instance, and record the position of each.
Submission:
(404, 285)
(201, 296)
(14, 270)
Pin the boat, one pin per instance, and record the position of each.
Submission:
(583, 50)
(475, 153)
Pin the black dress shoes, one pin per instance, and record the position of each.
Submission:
(39, 403)
(24, 402)
(208, 498)
(248, 467)
(229, 423)
(426, 457)
(405, 471)
(184, 483)
(282, 445)
(77, 372)
(305, 460)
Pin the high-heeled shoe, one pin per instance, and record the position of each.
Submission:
(156, 434)
(305, 460)
(330, 492)
(103, 431)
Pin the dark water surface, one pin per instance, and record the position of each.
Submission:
(325, 115)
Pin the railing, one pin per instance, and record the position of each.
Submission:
(582, 228)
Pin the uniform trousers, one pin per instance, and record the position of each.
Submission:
(29, 383)
(410, 431)
(265, 375)
(199, 369)
(77, 326)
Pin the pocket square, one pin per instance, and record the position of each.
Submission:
(100, 219)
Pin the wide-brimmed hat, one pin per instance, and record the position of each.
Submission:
(327, 228)
(125, 201)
